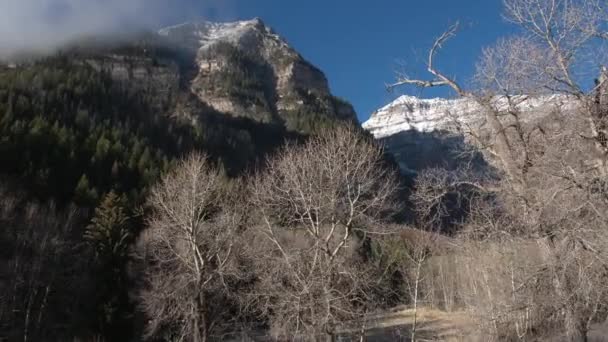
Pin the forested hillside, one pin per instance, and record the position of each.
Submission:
(84, 133)
(71, 133)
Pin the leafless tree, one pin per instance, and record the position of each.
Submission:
(555, 44)
(409, 252)
(316, 206)
(40, 271)
(571, 35)
(550, 203)
(549, 251)
(188, 252)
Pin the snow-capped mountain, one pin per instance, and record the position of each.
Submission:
(245, 69)
(412, 113)
(422, 133)
(439, 114)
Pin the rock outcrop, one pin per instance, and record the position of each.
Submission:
(423, 133)
(245, 69)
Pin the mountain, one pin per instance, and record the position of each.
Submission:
(97, 123)
(245, 69)
(422, 133)
(113, 114)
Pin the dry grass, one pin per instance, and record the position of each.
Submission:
(432, 325)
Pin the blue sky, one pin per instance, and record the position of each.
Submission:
(360, 44)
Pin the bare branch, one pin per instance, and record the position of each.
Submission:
(441, 79)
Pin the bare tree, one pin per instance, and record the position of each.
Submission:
(571, 34)
(316, 205)
(409, 253)
(552, 199)
(550, 251)
(557, 40)
(500, 145)
(43, 278)
(188, 252)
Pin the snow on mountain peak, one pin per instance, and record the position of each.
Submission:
(413, 113)
(200, 35)
(426, 115)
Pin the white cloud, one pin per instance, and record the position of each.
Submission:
(45, 24)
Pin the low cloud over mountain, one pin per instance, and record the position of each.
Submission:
(41, 25)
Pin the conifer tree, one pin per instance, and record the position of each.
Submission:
(84, 193)
(109, 231)
(109, 235)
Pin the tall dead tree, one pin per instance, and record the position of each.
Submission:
(44, 278)
(571, 35)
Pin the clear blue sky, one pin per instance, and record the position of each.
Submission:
(359, 44)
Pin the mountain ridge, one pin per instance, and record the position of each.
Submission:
(421, 133)
(129, 108)
(291, 83)
(427, 115)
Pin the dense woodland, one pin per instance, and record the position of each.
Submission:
(69, 132)
(74, 139)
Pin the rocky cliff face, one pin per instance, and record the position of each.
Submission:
(242, 69)
(141, 74)
(234, 90)
(423, 133)
(245, 69)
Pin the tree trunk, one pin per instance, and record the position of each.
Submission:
(196, 334)
(330, 337)
(598, 120)
(417, 281)
(576, 330)
(204, 325)
(503, 147)
(201, 328)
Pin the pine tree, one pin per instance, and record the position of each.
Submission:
(109, 231)
(109, 235)
(83, 193)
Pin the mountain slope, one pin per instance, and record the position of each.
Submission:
(247, 70)
(423, 133)
(96, 125)
(117, 113)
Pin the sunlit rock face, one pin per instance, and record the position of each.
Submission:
(422, 133)
(245, 69)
